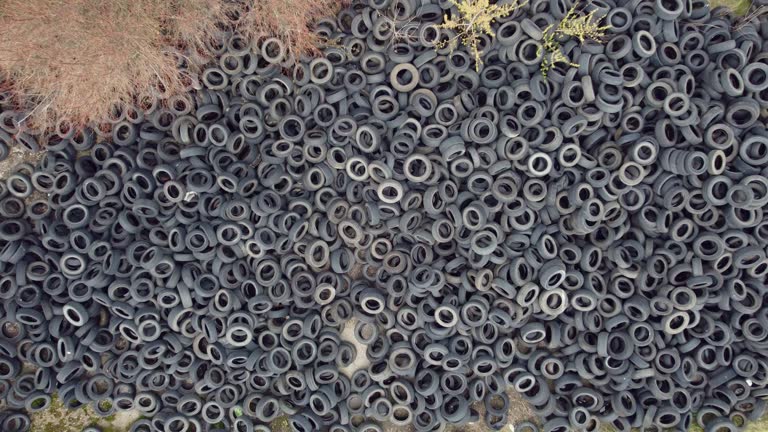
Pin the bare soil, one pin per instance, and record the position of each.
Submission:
(17, 156)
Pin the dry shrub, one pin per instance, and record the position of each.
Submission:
(289, 20)
(76, 59)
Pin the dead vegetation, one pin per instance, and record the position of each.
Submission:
(75, 60)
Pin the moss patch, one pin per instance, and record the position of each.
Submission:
(280, 424)
(756, 426)
(695, 428)
(57, 418)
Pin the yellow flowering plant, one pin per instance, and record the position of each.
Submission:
(475, 18)
(582, 27)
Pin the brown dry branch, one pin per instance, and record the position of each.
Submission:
(77, 59)
(402, 30)
(754, 13)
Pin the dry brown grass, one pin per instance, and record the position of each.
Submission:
(76, 59)
(289, 20)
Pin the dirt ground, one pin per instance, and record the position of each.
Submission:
(59, 419)
(17, 156)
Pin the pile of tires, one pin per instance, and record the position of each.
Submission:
(594, 239)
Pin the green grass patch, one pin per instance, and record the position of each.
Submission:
(757, 426)
(739, 7)
(695, 427)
